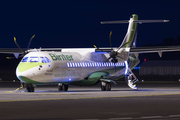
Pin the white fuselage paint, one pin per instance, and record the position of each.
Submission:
(66, 66)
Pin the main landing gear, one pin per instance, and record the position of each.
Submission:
(105, 86)
(63, 87)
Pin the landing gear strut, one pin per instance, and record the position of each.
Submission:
(131, 79)
(63, 87)
(105, 86)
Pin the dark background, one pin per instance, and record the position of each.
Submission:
(76, 23)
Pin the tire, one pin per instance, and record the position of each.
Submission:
(103, 88)
(108, 86)
(30, 88)
(60, 88)
(65, 87)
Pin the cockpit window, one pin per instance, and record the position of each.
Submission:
(42, 60)
(48, 61)
(36, 59)
(25, 59)
(33, 59)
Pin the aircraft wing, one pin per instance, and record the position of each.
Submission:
(12, 50)
(154, 49)
(144, 49)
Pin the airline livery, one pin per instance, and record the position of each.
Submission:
(84, 66)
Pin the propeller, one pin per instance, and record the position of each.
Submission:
(113, 54)
(23, 52)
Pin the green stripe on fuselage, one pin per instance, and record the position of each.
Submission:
(27, 80)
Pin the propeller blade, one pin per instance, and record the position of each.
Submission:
(108, 59)
(115, 67)
(30, 41)
(110, 39)
(95, 46)
(123, 45)
(18, 45)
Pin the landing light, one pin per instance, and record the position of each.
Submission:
(69, 79)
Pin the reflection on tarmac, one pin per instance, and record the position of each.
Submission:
(51, 93)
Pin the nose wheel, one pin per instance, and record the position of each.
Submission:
(30, 87)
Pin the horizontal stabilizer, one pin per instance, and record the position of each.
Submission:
(135, 21)
(149, 21)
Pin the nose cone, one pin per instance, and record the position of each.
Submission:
(23, 76)
(25, 72)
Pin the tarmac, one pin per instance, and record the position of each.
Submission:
(150, 101)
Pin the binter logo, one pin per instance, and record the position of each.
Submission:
(61, 57)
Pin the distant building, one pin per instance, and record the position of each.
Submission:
(160, 67)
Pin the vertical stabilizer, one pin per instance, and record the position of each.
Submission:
(130, 38)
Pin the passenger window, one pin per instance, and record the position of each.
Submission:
(25, 59)
(67, 64)
(42, 60)
(33, 59)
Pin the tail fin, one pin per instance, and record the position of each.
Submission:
(131, 35)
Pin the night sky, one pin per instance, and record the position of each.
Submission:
(76, 23)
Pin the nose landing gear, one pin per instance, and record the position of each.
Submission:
(29, 87)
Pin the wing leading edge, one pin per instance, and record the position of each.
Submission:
(154, 49)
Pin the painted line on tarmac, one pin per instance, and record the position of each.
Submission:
(85, 98)
(174, 115)
(62, 94)
(151, 117)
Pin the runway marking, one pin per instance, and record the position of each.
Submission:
(13, 90)
(174, 115)
(151, 117)
(126, 118)
(85, 98)
(63, 94)
(87, 119)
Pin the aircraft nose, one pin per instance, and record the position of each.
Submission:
(24, 76)
(26, 72)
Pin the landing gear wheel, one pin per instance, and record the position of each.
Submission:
(65, 87)
(62, 87)
(105, 86)
(108, 86)
(30, 88)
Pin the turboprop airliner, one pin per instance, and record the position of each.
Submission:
(84, 66)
